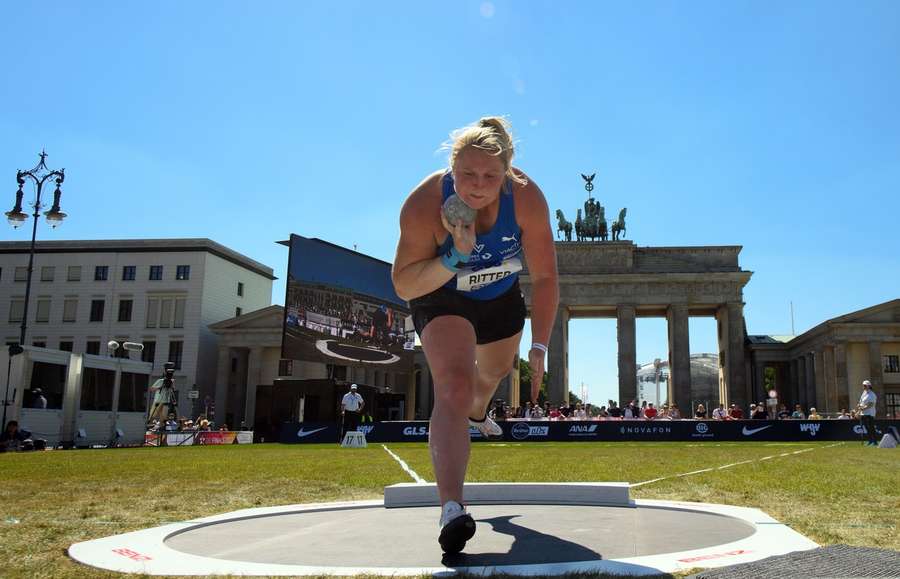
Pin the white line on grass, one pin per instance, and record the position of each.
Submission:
(724, 466)
(409, 471)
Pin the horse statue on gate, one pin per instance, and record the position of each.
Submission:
(563, 225)
(594, 223)
(579, 227)
(618, 226)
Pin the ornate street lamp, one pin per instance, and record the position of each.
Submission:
(16, 217)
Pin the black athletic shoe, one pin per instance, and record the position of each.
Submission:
(454, 534)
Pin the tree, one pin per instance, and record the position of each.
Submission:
(525, 383)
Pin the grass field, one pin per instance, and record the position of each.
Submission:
(832, 493)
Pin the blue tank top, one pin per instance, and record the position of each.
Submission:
(496, 260)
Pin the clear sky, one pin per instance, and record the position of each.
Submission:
(770, 125)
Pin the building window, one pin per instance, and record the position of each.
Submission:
(97, 310)
(125, 310)
(891, 364)
(233, 365)
(892, 404)
(47, 273)
(39, 344)
(148, 354)
(179, 313)
(101, 273)
(67, 346)
(165, 313)
(183, 272)
(128, 272)
(155, 272)
(238, 312)
(16, 310)
(70, 309)
(152, 312)
(42, 315)
(285, 367)
(21, 273)
(176, 349)
(73, 273)
(92, 347)
(241, 289)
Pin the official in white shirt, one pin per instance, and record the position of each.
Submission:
(351, 408)
(866, 410)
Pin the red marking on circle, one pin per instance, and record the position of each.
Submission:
(133, 555)
(713, 556)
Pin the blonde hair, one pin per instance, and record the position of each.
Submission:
(489, 134)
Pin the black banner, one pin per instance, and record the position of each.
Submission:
(613, 431)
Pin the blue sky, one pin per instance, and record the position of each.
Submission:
(769, 125)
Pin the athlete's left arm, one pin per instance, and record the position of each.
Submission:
(533, 217)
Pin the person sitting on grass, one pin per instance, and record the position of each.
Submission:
(813, 414)
(13, 438)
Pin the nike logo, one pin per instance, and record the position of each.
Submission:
(513, 239)
(749, 431)
(301, 433)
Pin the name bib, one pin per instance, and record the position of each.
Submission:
(468, 280)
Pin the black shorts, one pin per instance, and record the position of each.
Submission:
(496, 319)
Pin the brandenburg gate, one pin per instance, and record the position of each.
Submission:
(617, 279)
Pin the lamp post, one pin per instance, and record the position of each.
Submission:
(17, 217)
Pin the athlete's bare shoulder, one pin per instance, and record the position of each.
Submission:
(530, 203)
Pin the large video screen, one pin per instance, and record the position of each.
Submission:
(341, 308)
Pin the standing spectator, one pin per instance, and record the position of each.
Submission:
(650, 412)
(614, 410)
(798, 413)
(351, 407)
(735, 412)
(783, 413)
(674, 412)
(643, 409)
(38, 400)
(866, 410)
(579, 413)
(813, 415)
(603, 413)
(628, 411)
(526, 414)
(700, 413)
(719, 413)
(758, 412)
(537, 413)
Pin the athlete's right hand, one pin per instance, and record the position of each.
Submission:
(463, 235)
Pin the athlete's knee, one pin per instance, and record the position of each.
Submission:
(455, 389)
(493, 375)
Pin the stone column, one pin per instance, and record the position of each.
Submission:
(679, 359)
(842, 391)
(810, 364)
(627, 353)
(758, 391)
(223, 379)
(254, 368)
(734, 372)
(802, 383)
(793, 385)
(819, 373)
(876, 367)
(828, 368)
(558, 358)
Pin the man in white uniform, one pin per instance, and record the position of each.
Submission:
(866, 410)
(351, 408)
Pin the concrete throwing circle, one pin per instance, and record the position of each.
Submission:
(363, 537)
